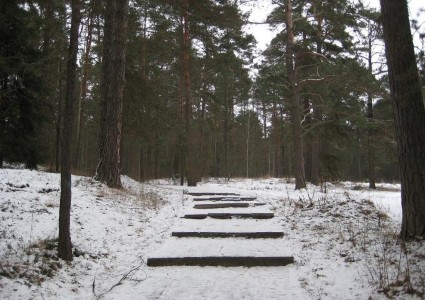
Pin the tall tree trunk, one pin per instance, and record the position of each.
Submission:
(409, 115)
(276, 142)
(282, 163)
(64, 245)
(226, 128)
(370, 144)
(216, 157)
(295, 101)
(247, 143)
(190, 155)
(113, 81)
(84, 88)
(315, 139)
(315, 143)
(49, 73)
(202, 131)
(185, 96)
(58, 122)
(308, 138)
(3, 87)
(315, 134)
(142, 162)
(265, 155)
(181, 135)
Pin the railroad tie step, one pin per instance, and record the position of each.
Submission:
(226, 205)
(220, 205)
(230, 215)
(226, 199)
(211, 234)
(211, 194)
(225, 261)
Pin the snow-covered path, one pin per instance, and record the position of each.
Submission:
(342, 245)
(254, 251)
(190, 282)
(312, 276)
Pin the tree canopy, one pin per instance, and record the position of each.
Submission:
(198, 99)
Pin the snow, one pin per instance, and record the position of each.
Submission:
(342, 236)
(229, 225)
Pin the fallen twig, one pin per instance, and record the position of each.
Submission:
(127, 275)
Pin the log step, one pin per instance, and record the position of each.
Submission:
(211, 194)
(220, 205)
(225, 199)
(230, 215)
(225, 261)
(225, 205)
(211, 234)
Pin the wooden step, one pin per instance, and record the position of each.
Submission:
(211, 234)
(211, 194)
(225, 199)
(225, 205)
(196, 216)
(230, 215)
(220, 205)
(225, 261)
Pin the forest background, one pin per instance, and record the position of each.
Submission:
(228, 113)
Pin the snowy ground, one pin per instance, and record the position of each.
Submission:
(342, 236)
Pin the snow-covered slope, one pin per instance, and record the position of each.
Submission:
(343, 238)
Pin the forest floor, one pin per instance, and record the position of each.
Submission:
(342, 235)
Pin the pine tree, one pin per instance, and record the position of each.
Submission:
(409, 115)
(294, 101)
(113, 81)
(64, 243)
(21, 85)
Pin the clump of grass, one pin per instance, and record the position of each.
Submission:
(47, 244)
(37, 263)
(150, 200)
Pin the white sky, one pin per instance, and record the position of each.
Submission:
(263, 34)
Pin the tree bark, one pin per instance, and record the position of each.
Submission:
(190, 155)
(181, 141)
(265, 156)
(295, 102)
(58, 122)
(370, 145)
(370, 140)
(64, 244)
(49, 73)
(113, 81)
(276, 141)
(226, 127)
(84, 88)
(194, 144)
(308, 138)
(315, 141)
(409, 115)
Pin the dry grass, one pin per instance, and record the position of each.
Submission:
(38, 263)
(150, 200)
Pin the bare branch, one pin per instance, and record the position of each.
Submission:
(314, 80)
(312, 53)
